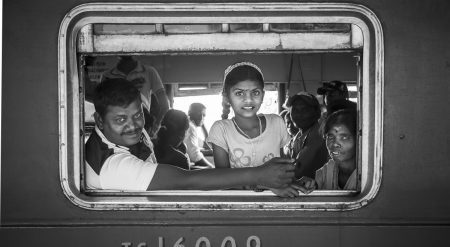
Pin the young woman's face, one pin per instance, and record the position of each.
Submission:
(246, 98)
(340, 143)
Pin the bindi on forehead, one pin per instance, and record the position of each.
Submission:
(339, 129)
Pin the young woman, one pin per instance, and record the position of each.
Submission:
(339, 173)
(248, 139)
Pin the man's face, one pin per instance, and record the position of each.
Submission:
(198, 117)
(332, 96)
(302, 115)
(123, 125)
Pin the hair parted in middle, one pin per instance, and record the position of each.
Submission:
(234, 74)
(346, 117)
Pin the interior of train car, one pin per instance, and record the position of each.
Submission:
(190, 54)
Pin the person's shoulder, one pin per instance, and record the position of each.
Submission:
(126, 161)
(191, 129)
(219, 127)
(149, 68)
(329, 165)
(273, 118)
(222, 123)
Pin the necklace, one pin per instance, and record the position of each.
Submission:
(253, 144)
(240, 130)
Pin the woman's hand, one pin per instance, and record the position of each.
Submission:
(305, 184)
(276, 173)
(289, 191)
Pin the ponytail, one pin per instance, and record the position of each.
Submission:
(225, 108)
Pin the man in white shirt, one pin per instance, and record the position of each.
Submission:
(195, 145)
(119, 153)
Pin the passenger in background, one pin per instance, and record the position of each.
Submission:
(197, 148)
(307, 147)
(339, 131)
(148, 81)
(335, 97)
(291, 129)
(169, 146)
(248, 139)
(119, 153)
(89, 85)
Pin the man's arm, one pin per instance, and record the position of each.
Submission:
(275, 173)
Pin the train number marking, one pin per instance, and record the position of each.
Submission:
(252, 241)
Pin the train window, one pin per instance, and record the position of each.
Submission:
(310, 27)
(297, 46)
(246, 28)
(192, 28)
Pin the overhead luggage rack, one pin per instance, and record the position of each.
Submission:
(197, 37)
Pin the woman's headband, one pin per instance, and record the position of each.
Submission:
(233, 66)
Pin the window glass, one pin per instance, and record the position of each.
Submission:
(112, 29)
(309, 27)
(192, 28)
(246, 28)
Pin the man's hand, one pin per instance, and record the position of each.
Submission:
(289, 191)
(276, 173)
(305, 185)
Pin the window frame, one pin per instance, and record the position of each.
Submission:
(370, 106)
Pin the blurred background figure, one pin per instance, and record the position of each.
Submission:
(307, 147)
(169, 146)
(335, 97)
(291, 129)
(196, 135)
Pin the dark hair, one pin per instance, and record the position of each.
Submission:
(307, 99)
(341, 104)
(174, 122)
(196, 108)
(114, 92)
(346, 117)
(236, 75)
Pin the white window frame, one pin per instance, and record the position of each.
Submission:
(370, 104)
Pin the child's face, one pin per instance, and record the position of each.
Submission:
(340, 143)
(123, 125)
(246, 98)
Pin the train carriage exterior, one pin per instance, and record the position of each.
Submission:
(396, 53)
